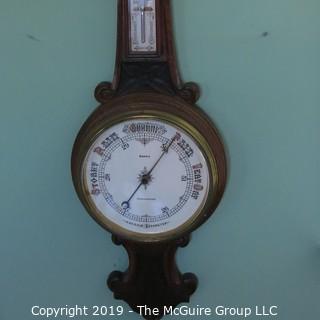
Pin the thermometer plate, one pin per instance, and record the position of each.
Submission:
(143, 26)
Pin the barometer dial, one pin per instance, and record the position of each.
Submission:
(146, 176)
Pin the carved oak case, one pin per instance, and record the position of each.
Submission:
(147, 124)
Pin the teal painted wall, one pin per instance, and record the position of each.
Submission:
(259, 68)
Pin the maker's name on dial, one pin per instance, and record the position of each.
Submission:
(147, 225)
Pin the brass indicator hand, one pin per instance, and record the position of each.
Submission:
(145, 179)
(165, 150)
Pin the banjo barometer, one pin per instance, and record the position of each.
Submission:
(148, 164)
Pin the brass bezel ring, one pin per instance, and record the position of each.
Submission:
(103, 120)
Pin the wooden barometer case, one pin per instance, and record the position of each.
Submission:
(148, 164)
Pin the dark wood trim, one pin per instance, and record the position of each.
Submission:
(152, 278)
(151, 84)
(154, 72)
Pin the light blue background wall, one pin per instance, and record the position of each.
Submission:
(263, 244)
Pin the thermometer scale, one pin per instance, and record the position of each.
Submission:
(143, 26)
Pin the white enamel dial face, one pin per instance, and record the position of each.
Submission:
(146, 176)
(143, 25)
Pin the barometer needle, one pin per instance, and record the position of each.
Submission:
(146, 177)
(165, 150)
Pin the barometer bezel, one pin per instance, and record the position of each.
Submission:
(174, 111)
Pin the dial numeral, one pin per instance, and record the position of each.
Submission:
(124, 145)
(95, 192)
(165, 210)
(195, 195)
